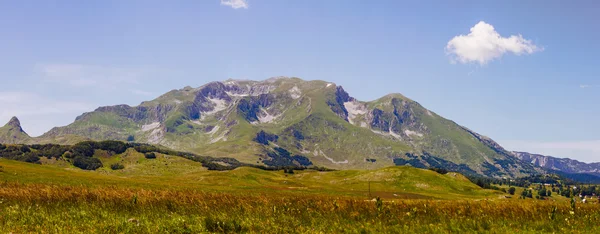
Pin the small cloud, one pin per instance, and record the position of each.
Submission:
(483, 44)
(140, 92)
(235, 4)
(585, 86)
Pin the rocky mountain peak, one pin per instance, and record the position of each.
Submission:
(14, 123)
(12, 133)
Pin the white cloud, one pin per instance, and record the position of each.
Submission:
(235, 4)
(586, 151)
(81, 75)
(483, 44)
(37, 113)
(585, 86)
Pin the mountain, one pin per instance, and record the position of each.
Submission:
(12, 132)
(288, 121)
(560, 164)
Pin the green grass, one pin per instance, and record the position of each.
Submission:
(179, 174)
(182, 197)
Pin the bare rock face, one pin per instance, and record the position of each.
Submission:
(337, 104)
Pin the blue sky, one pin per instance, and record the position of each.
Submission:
(536, 92)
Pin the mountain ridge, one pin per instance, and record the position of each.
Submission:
(314, 122)
(560, 164)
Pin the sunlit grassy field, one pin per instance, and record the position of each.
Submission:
(58, 199)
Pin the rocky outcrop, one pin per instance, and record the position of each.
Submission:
(250, 107)
(12, 133)
(401, 121)
(337, 103)
(15, 125)
(381, 120)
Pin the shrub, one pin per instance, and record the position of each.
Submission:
(25, 149)
(1, 169)
(511, 190)
(150, 155)
(440, 170)
(87, 163)
(115, 146)
(85, 148)
(29, 157)
(117, 166)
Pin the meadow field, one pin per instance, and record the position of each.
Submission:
(184, 198)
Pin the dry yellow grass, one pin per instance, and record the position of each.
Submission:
(73, 209)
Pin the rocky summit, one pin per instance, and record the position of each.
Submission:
(13, 133)
(288, 121)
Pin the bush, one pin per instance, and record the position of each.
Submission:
(87, 163)
(29, 157)
(117, 166)
(150, 155)
(117, 147)
(51, 150)
(511, 190)
(441, 171)
(85, 148)
(25, 149)
(1, 169)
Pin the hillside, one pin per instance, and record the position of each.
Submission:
(178, 173)
(13, 133)
(289, 121)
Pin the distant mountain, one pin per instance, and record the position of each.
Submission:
(560, 164)
(13, 133)
(289, 121)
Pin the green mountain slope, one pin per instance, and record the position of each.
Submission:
(289, 121)
(12, 132)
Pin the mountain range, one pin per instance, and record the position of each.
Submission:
(559, 164)
(289, 121)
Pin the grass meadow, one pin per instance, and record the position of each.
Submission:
(51, 199)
